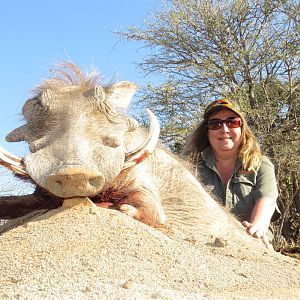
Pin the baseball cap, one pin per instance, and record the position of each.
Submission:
(219, 104)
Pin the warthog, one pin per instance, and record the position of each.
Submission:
(82, 144)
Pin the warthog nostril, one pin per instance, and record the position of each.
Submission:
(96, 181)
(58, 182)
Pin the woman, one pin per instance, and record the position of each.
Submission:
(231, 165)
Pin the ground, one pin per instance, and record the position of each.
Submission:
(94, 253)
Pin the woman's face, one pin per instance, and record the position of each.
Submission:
(225, 140)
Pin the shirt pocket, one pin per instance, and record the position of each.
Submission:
(243, 188)
(248, 181)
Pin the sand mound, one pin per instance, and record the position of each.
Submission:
(93, 253)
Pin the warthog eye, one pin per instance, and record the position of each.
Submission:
(111, 141)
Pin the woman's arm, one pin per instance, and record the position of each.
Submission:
(260, 219)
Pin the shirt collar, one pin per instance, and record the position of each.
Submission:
(208, 156)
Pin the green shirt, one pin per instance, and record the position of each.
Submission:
(243, 189)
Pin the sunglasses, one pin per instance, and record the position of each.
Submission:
(232, 122)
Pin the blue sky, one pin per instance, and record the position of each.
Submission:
(36, 33)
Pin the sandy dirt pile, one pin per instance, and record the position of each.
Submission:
(93, 253)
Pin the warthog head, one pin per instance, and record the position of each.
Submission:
(77, 134)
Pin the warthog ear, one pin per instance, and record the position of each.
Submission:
(121, 93)
(17, 135)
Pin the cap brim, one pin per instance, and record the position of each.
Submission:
(219, 108)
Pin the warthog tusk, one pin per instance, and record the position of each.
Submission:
(147, 147)
(12, 162)
(9, 155)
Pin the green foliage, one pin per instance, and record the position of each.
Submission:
(176, 116)
(276, 122)
(248, 51)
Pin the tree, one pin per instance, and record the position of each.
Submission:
(248, 51)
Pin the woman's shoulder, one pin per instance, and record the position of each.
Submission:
(266, 162)
(266, 168)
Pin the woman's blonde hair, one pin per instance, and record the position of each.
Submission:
(249, 152)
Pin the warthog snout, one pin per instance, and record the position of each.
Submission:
(75, 181)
